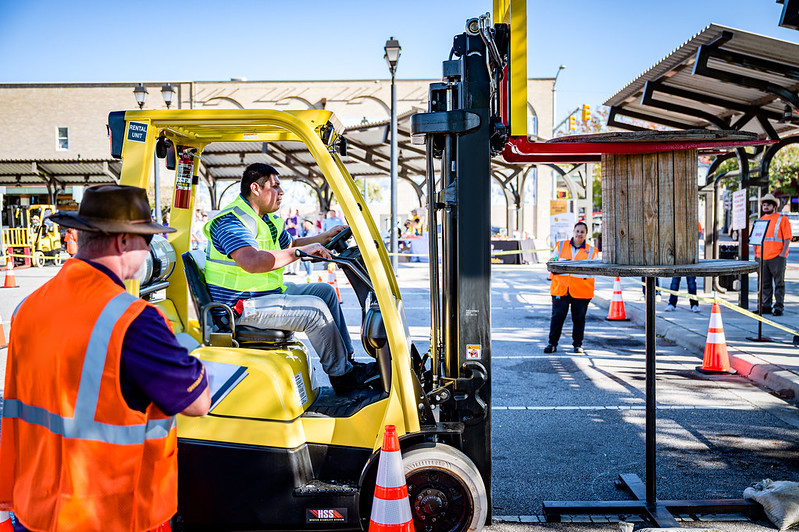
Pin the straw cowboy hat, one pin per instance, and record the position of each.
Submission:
(112, 209)
(771, 198)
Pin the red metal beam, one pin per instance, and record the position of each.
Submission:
(521, 150)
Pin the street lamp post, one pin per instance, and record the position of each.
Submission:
(554, 118)
(140, 92)
(392, 53)
(554, 114)
(168, 93)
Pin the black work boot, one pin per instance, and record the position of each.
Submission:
(359, 377)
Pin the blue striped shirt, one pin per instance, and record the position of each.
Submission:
(228, 234)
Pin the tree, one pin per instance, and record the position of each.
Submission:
(783, 172)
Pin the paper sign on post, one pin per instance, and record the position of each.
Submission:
(739, 209)
(758, 232)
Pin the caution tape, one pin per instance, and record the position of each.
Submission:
(724, 303)
(493, 253)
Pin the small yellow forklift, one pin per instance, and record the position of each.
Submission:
(31, 239)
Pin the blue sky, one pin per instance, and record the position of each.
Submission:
(605, 44)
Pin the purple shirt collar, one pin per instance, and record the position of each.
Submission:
(106, 271)
(584, 245)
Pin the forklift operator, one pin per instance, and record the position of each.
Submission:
(249, 247)
(94, 379)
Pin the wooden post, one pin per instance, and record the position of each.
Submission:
(650, 213)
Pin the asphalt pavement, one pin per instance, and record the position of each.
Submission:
(773, 364)
(539, 400)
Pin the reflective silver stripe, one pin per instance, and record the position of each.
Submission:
(220, 261)
(96, 351)
(91, 430)
(83, 426)
(249, 222)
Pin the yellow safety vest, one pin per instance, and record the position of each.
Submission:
(221, 270)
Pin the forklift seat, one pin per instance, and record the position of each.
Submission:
(194, 262)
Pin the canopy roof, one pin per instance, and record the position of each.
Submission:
(59, 172)
(722, 78)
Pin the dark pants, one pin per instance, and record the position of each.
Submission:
(675, 286)
(560, 307)
(774, 272)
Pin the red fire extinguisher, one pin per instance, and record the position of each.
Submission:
(183, 177)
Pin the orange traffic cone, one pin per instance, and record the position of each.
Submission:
(331, 280)
(716, 359)
(11, 281)
(318, 278)
(5, 522)
(616, 311)
(3, 343)
(391, 510)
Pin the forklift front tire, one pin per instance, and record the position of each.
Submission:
(445, 489)
(38, 259)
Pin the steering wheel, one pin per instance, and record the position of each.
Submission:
(339, 242)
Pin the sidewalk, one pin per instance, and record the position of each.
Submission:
(771, 364)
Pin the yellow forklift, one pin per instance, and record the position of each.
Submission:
(277, 450)
(31, 239)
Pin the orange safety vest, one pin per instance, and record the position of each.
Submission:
(73, 456)
(577, 287)
(71, 241)
(778, 232)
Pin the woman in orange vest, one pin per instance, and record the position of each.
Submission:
(571, 290)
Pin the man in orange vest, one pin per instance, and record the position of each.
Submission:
(775, 254)
(571, 290)
(88, 439)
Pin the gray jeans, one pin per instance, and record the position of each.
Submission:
(774, 272)
(311, 308)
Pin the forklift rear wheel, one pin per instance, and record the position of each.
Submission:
(38, 259)
(57, 259)
(445, 489)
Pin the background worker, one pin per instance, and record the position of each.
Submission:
(308, 230)
(88, 439)
(571, 290)
(675, 286)
(248, 250)
(331, 221)
(775, 254)
(71, 241)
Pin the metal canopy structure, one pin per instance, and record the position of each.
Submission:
(58, 174)
(368, 156)
(722, 78)
(726, 79)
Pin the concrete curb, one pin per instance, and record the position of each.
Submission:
(778, 379)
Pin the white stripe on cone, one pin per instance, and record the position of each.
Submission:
(390, 476)
(716, 338)
(715, 321)
(397, 512)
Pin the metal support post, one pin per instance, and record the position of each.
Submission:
(394, 258)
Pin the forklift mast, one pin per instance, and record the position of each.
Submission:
(463, 129)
